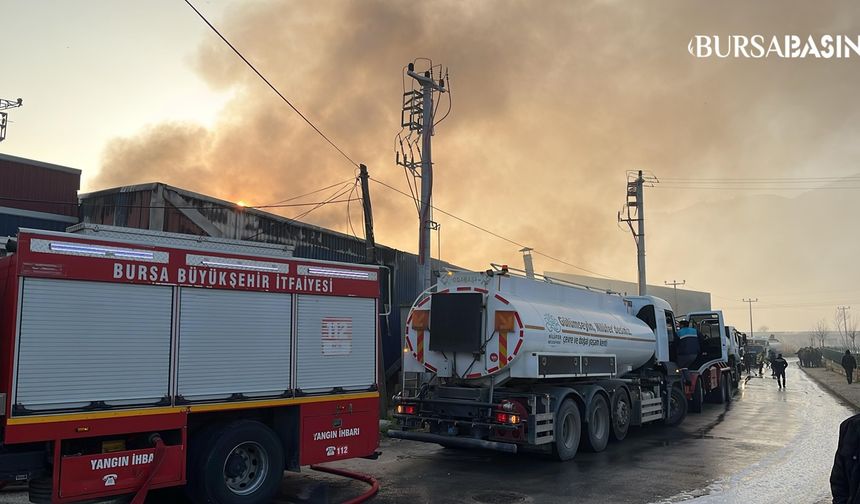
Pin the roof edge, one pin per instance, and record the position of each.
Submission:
(40, 164)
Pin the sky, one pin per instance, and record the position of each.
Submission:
(551, 106)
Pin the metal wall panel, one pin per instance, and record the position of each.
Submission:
(9, 224)
(233, 342)
(83, 342)
(41, 187)
(336, 343)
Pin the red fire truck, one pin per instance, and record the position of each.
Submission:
(136, 360)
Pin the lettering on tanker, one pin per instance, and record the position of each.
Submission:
(576, 324)
(565, 331)
(596, 327)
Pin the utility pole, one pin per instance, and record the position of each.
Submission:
(843, 310)
(7, 104)
(675, 285)
(635, 212)
(370, 241)
(750, 302)
(428, 87)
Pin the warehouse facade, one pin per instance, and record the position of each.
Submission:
(37, 195)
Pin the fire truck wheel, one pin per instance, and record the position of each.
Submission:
(621, 412)
(595, 433)
(568, 426)
(240, 462)
(698, 397)
(677, 407)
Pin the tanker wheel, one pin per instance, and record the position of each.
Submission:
(240, 462)
(677, 406)
(730, 390)
(698, 397)
(720, 395)
(621, 412)
(568, 426)
(595, 432)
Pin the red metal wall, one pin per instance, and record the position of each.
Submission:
(34, 186)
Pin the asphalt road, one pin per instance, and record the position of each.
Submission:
(766, 446)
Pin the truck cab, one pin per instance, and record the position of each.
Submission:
(657, 313)
(735, 342)
(715, 373)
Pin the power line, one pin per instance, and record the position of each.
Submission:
(273, 88)
(349, 215)
(179, 207)
(760, 179)
(485, 230)
(312, 192)
(849, 182)
(330, 199)
(758, 188)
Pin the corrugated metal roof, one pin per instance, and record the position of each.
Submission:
(205, 201)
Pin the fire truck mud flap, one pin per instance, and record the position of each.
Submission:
(456, 442)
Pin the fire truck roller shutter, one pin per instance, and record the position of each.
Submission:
(83, 342)
(233, 342)
(336, 343)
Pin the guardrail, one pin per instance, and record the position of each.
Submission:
(833, 354)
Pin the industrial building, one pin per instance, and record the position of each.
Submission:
(682, 300)
(37, 195)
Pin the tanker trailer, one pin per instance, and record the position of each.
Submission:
(498, 361)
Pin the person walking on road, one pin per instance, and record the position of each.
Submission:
(849, 363)
(845, 475)
(778, 365)
(749, 360)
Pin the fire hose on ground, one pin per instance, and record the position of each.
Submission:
(370, 480)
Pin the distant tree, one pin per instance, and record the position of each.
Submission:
(846, 327)
(763, 329)
(820, 333)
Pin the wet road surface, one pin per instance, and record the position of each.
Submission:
(766, 446)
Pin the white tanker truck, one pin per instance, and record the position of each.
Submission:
(497, 361)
